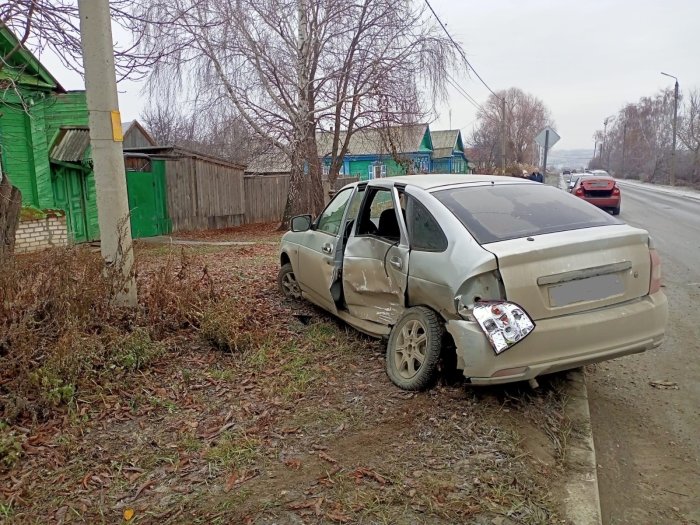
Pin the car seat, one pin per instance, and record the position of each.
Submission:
(389, 225)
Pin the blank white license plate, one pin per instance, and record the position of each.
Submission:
(589, 289)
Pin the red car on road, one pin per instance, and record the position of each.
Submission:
(599, 190)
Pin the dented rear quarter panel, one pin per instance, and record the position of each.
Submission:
(435, 279)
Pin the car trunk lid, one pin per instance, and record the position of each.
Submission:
(575, 271)
(598, 187)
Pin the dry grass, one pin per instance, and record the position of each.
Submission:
(215, 403)
(60, 333)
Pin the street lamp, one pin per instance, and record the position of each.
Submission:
(672, 177)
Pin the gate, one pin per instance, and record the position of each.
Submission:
(145, 182)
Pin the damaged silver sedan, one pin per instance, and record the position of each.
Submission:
(518, 278)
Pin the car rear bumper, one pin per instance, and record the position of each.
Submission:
(604, 202)
(562, 343)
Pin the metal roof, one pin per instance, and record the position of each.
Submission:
(71, 145)
(406, 139)
(445, 138)
(442, 153)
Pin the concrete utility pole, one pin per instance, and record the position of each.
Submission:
(106, 142)
(503, 136)
(672, 177)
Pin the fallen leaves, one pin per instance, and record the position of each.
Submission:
(237, 478)
(128, 514)
(326, 457)
(362, 472)
(335, 514)
(292, 463)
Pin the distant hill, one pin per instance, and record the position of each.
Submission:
(569, 158)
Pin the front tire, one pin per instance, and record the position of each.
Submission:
(287, 282)
(413, 350)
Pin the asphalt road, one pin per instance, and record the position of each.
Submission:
(648, 439)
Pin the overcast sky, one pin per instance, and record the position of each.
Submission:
(584, 58)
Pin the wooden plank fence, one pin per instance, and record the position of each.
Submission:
(204, 194)
(265, 196)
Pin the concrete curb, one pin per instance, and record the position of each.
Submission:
(581, 496)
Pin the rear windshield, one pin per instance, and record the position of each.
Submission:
(509, 211)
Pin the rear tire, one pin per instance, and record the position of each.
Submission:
(616, 211)
(413, 350)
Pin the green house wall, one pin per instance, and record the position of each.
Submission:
(29, 124)
(31, 115)
(16, 146)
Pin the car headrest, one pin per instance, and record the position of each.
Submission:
(389, 225)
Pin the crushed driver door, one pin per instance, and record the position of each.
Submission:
(318, 265)
(375, 262)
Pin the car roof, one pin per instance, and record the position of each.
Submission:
(598, 176)
(429, 182)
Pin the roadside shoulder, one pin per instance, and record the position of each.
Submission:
(669, 190)
(580, 490)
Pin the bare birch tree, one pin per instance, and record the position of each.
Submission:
(54, 25)
(290, 68)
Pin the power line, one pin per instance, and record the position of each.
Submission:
(466, 95)
(459, 49)
(471, 100)
(463, 91)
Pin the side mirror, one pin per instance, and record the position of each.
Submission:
(301, 223)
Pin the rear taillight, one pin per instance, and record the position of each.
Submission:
(579, 192)
(503, 323)
(655, 279)
(616, 190)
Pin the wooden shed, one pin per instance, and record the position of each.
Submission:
(202, 191)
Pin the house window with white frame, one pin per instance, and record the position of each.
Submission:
(377, 170)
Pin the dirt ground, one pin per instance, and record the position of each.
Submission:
(295, 422)
(264, 232)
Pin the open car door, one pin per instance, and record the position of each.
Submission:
(375, 262)
(319, 252)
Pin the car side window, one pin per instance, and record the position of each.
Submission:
(330, 220)
(378, 215)
(355, 202)
(424, 232)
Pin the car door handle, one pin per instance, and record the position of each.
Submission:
(327, 248)
(396, 262)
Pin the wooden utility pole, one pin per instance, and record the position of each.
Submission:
(106, 141)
